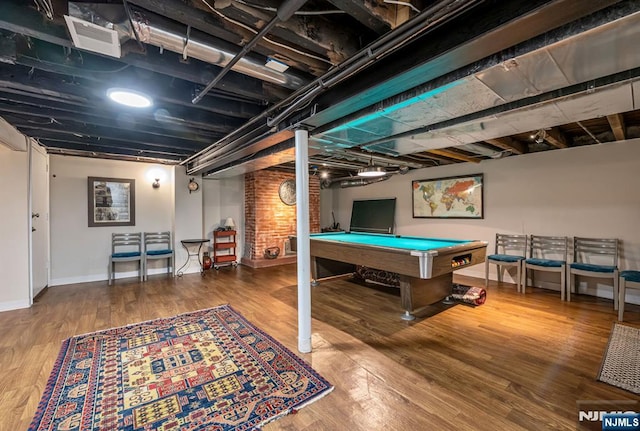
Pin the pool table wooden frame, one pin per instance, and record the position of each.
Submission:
(426, 277)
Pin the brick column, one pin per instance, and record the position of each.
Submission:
(268, 220)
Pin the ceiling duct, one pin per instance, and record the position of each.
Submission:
(433, 115)
(359, 182)
(96, 28)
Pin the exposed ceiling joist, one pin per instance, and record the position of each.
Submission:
(616, 121)
(461, 81)
(556, 138)
(376, 16)
(508, 143)
(311, 33)
(454, 155)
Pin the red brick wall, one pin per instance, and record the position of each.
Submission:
(268, 220)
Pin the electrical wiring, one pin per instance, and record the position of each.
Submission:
(272, 9)
(403, 3)
(40, 60)
(266, 39)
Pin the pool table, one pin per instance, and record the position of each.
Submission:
(425, 265)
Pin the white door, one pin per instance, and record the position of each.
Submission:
(39, 193)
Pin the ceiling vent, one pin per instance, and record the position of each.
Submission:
(92, 37)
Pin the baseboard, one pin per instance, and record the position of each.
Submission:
(474, 271)
(42, 292)
(104, 277)
(264, 263)
(14, 305)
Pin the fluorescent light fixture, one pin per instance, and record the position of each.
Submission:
(276, 65)
(372, 171)
(131, 98)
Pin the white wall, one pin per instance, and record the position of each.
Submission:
(587, 191)
(224, 198)
(80, 253)
(188, 219)
(328, 204)
(14, 234)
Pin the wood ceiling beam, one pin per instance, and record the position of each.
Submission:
(106, 145)
(173, 127)
(508, 143)
(53, 148)
(313, 34)
(106, 150)
(44, 90)
(433, 158)
(556, 138)
(19, 18)
(616, 122)
(39, 129)
(378, 17)
(454, 155)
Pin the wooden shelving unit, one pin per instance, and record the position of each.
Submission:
(224, 248)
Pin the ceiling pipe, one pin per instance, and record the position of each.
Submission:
(148, 28)
(359, 182)
(285, 11)
(379, 158)
(353, 181)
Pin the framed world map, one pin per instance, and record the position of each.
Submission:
(451, 197)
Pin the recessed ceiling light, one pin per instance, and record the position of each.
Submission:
(131, 98)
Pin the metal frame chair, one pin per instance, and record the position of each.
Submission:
(628, 279)
(549, 254)
(158, 245)
(588, 255)
(510, 252)
(132, 243)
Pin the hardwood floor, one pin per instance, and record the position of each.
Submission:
(516, 362)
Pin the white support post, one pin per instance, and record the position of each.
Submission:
(303, 242)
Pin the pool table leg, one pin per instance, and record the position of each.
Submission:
(314, 272)
(416, 293)
(408, 316)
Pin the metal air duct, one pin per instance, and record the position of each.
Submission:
(153, 30)
(359, 182)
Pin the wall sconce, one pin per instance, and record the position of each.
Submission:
(155, 175)
(229, 224)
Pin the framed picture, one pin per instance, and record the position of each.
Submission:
(112, 202)
(450, 197)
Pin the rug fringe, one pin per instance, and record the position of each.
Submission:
(294, 409)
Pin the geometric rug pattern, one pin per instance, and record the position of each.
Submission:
(621, 362)
(204, 370)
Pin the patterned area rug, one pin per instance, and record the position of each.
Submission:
(621, 363)
(207, 370)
